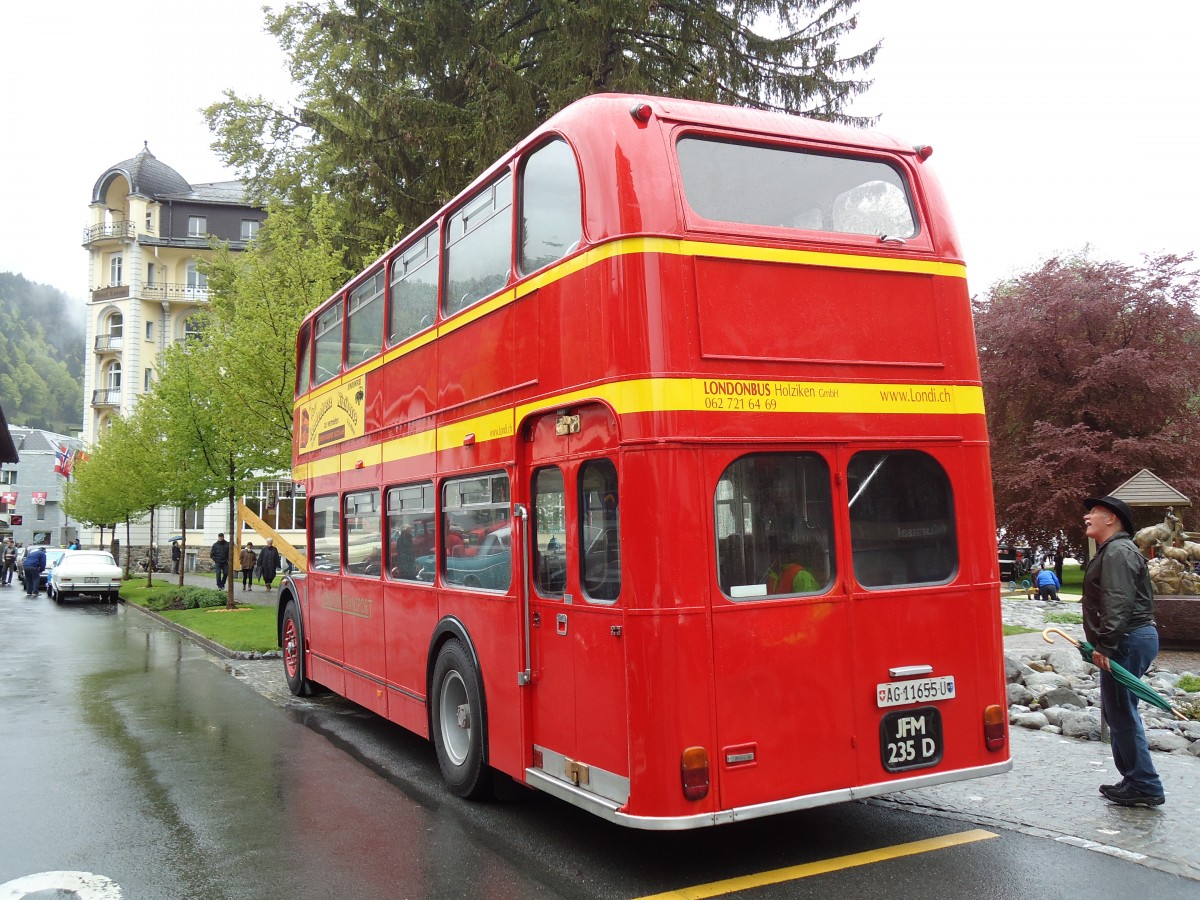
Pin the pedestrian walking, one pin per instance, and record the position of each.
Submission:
(1118, 620)
(268, 563)
(9, 562)
(219, 552)
(246, 560)
(176, 554)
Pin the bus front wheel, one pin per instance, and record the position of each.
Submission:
(292, 641)
(458, 729)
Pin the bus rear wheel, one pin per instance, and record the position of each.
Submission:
(459, 735)
(292, 641)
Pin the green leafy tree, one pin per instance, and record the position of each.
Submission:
(123, 479)
(403, 102)
(1091, 372)
(259, 298)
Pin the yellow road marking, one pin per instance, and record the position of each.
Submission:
(794, 873)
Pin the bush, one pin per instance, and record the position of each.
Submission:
(187, 597)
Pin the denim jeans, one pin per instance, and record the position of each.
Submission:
(1131, 753)
(222, 570)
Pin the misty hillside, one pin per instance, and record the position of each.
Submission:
(41, 356)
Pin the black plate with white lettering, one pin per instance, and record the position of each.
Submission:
(911, 739)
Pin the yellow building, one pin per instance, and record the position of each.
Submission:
(149, 229)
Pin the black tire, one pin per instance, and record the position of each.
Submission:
(292, 641)
(458, 726)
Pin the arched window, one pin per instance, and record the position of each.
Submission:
(112, 378)
(116, 326)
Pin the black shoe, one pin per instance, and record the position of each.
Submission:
(1105, 788)
(1128, 795)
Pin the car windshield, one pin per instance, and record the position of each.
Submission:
(97, 558)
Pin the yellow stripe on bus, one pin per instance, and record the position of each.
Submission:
(662, 245)
(721, 396)
(822, 867)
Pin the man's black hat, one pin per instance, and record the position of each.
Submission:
(1120, 507)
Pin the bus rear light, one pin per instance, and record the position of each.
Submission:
(994, 718)
(694, 773)
(924, 151)
(641, 112)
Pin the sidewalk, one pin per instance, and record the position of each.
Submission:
(1052, 792)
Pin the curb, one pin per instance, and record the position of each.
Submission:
(204, 642)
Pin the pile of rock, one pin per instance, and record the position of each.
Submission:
(1170, 576)
(1055, 690)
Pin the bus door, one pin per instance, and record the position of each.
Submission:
(783, 654)
(579, 716)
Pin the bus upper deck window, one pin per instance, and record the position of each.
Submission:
(328, 356)
(365, 320)
(756, 184)
(550, 206)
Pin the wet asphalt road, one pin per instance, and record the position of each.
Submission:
(129, 752)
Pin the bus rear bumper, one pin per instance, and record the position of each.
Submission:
(610, 811)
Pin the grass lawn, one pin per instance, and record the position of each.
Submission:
(246, 629)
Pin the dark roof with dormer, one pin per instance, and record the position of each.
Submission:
(146, 176)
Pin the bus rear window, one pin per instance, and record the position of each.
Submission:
(755, 184)
(901, 519)
(774, 526)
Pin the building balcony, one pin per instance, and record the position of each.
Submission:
(106, 397)
(109, 231)
(175, 293)
(110, 292)
(108, 343)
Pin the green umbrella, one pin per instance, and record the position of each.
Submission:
(1139, 688)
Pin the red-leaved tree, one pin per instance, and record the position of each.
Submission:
(1091, 372)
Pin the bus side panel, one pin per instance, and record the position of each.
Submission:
(490, 621)
(668, 640)
(410, 614)
(403, 390)
(470, 369)
(670, 708)
(364, 628)
(324, 629)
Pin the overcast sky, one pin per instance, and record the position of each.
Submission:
(1054, 124)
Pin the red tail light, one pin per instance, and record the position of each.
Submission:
(994, 719)
(694, 773)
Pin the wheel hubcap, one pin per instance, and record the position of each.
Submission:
(454, 711)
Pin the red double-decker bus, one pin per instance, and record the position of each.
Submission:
(652, 472)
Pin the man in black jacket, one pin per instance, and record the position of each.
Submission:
(219, 552)
(1118, 620)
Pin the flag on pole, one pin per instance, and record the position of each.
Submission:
(61, 461)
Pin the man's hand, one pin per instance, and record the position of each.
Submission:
(1101, 661)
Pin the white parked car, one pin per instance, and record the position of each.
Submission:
(85, 573)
